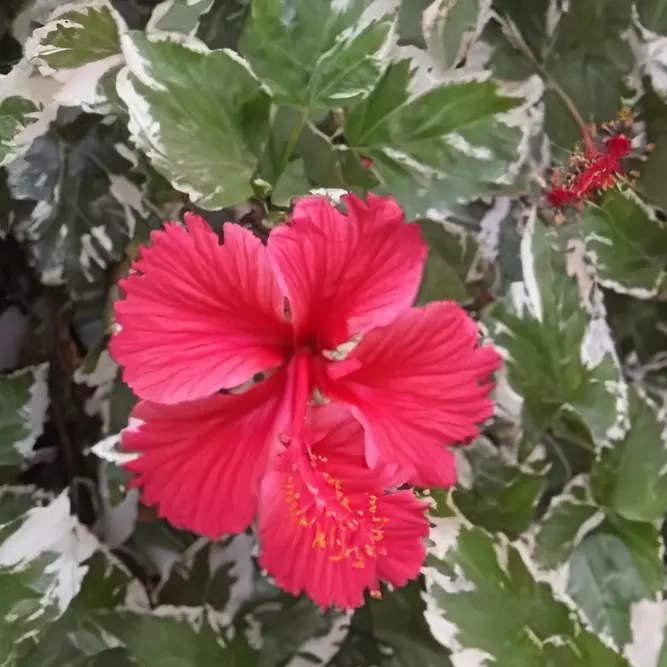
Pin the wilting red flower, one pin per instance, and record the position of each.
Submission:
(603, 168)
(561, 196)
(326, 525)
(199, 317)
(592, 172)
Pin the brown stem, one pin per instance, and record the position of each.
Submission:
(51, 310)
(517, 41)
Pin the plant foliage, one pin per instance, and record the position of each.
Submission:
(116, 115)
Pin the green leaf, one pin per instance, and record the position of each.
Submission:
(75, 636)
(114, 657)
(652, 112)
(285, 624)
(76, 35)
(570, 517)
(175, 637)
(121, 402)
(653, 15)
(611, 562)
(627, 244)
(400, 627)
(200, 116)
(455, 268)
(310, 157)
(16, 115)
(589, 59)
(530, 20)
(486, 591)
(313, 54)
(24, 399)
(159, 537)
(292, 183)
(52, 574)
(77, 226)
(191, 626)
(438, 148)
(613, 567)
(198, 581)
(178, 16)
(410, 16)
(391, 632)
(630, 476)
(222, 25)
(582, 49)
(560, 358)
(451, 30)
(502, 496)
(209, 581)
(638, 323)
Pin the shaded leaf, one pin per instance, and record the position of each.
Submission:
(174, 638)
(23, 404)
(410, 16)
(400, 626)
(652, 112)
(16, 115)
(653, 15)
(637, 324)
(222, 25)
(285, 623)
(77, 226)
(589, 59)
(502, 496)
(627, 244)
(292, 183)
(455, 268)
(630, 477)
(560, 357)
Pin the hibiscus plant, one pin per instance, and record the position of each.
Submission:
(332, 333)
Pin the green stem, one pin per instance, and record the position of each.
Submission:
(292, 142)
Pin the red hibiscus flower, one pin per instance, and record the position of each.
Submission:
(326, 525)
(591, 173)
(199, 317)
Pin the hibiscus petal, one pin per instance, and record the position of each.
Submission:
(329, 530)
(417, 384)
(199, 316)
(345, 274)
(295, 555)
(202, 462)
(404, 549)
(340, 444)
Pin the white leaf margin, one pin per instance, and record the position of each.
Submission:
(79, 85)
(52, 528)
(444, 537)
(145, 130)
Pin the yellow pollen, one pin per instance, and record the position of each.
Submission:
(625, 115)
(319, 540)
(343, 531)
